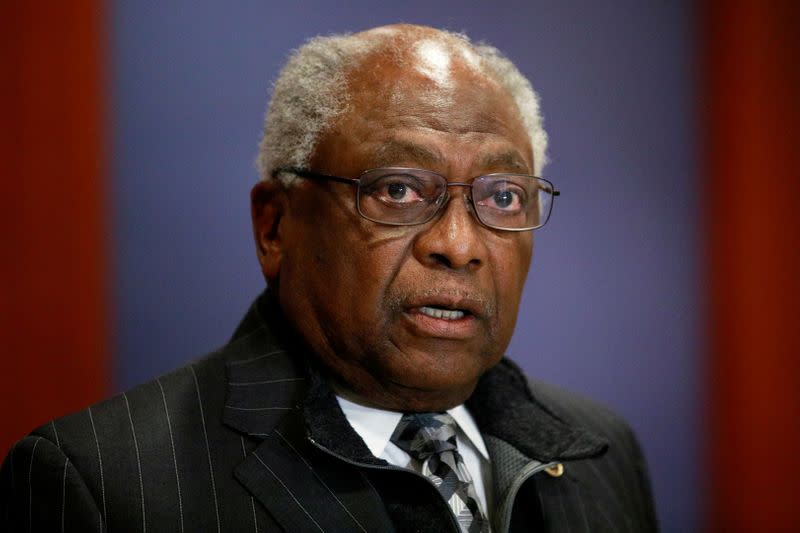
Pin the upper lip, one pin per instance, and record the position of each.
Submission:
(451, 301)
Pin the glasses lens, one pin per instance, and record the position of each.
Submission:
(512, 201)
(400, 196)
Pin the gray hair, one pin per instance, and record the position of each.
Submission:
(311, 91)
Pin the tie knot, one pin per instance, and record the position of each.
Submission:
(424, 434)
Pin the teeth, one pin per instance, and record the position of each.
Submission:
(441, 313)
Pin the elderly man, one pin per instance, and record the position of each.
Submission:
(366, 389)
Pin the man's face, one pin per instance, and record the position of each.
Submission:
(362, 293)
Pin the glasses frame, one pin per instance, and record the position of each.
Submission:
(441, 201)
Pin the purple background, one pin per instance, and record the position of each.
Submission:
(611, 307)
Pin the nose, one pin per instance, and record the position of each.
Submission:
(454, 239)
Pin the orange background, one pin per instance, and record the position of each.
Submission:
(752, 112)
(54, 312)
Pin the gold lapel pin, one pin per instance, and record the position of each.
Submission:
(556, 470)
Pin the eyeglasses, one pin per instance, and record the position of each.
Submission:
(409, 196)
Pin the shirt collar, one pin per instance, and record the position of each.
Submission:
(470, 429)
(375, 426)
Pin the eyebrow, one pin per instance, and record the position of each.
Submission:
(507, 161)
(393, 152)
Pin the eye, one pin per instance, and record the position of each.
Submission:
(399, 190)
(504, 196)
(503, 199)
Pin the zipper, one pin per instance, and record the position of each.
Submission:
(526, 473)
(408, 471)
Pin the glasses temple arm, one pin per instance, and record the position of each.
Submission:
(305, 173)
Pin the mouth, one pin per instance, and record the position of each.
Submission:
(444, 317)
(443, 313)
(446, 306)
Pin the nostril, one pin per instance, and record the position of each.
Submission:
(442, 260)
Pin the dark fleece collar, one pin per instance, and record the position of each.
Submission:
(327, 424)
(504, 406)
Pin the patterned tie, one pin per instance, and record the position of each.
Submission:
(430, 438)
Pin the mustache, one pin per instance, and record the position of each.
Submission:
(399, 300)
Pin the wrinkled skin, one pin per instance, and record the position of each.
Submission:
(353, 288)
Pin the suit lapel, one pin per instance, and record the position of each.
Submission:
(306, 490)
(303, 487)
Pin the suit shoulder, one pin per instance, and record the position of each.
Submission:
(36, 479)
(148, 411)
(155, 443)
(186, 393)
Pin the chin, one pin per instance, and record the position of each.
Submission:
(429, 393)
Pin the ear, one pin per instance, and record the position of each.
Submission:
(268, 207)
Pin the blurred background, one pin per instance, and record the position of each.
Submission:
(665, 284)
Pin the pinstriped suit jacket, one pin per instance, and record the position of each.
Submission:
(250, 438)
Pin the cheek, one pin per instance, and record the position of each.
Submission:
(377, 254)
(351, 268)
(511, 271)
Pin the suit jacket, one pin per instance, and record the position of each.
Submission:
(251, 438)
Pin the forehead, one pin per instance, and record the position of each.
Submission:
(409, 101)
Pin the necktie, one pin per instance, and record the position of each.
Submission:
(431, 439)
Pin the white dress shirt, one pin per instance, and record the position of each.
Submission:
(375, 427)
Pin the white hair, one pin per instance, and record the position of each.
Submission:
(311, 89)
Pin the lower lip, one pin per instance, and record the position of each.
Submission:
(460, 328)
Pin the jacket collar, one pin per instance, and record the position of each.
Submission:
(504, 406)
(265, 381)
